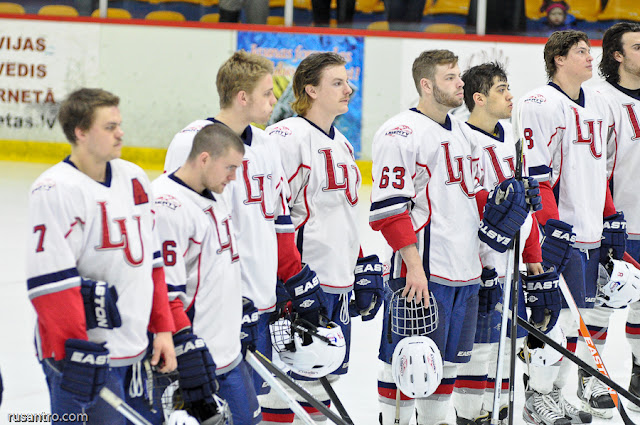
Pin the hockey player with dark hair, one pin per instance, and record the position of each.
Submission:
(620, 67)
(91, 243)
(565, 128)
(428, 204)
(487, 96)
(324, 179)
(203, 274)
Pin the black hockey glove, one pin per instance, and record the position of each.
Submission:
(196, 368)
(504, 214)
(249, 331)
(614, 237)
(100, 308)
(532, 193)
(368, 288)
(85, 369)
(543, 298)
(557, 244)
(307, 297)
(490, 291)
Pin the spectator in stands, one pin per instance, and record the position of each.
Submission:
(322, 12)
(557, 17)
(404, 15)
(255, 11)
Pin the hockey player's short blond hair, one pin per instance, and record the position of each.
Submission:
(241, 72)
(559, 44)
(78, 110)
(309, 72)
(425, 65)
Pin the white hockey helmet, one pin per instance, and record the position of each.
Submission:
(416, 366)
(541, 354)
(308, 350)
(181, 417)
(618, 284)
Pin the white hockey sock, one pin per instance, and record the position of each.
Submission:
(387, 398)
(435, 408)
(570, 328)
(471, 382)
(633, 329)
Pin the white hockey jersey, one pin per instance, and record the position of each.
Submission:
(623, 153)
(498, 163)
(324, 180)
(258, 207)
(201, 264)
(102, 231)
(431, 170)
(565, 145)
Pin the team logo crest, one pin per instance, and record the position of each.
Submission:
(536, 98)
(401, 130)
(168, 201)
(281, 131)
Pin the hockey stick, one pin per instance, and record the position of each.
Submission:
(586, 335)
(123, 408)
(335, 400)
(397, 419)
(254, 357)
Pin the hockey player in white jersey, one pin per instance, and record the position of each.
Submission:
(427, 201)
(203, 275)
(565, 128)
(263, 227)
(324, 179)
(620, 67)
(91, 243)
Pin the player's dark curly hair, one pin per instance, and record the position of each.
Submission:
(559, 44)
(480, 79)
(612, 43)
(78, 110)
(309, 72)
(424, 66)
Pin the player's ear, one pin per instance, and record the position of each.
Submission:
(618, 56)
(80, 134)
(426, 85)
(478, 98)
(242, 98)
(311, 91)
(203, 158)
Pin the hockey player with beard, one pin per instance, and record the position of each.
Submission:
(565, 128)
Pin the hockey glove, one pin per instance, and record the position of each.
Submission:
(249, 332)
(532, 193)
(196, 368)
(307, 297)
(557, 244)
(368, 289)
(490, 291)
(86, 365)
(614, 237)
(504, 214)
(543, 298)
(100, 309)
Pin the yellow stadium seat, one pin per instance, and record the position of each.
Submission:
(276, 3)
(456, 7)
(58, 10)
(445, 28)
(532, 9)
(586, 10)
(379, 25)
(114, 13)
(165, 15)
(622, 10)
(369, 6)
(302, 4)
(14, 8)
(275, 20)
(210, 17)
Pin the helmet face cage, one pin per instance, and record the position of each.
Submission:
(282, 334)
(409, 318)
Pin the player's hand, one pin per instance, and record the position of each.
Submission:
(557, 244)
(86, 366)
(543, 298)
(307, 296)
(368, 288)
(417, 286)
(614, 237)
(534, 268)
(163, 349)
(490, 291)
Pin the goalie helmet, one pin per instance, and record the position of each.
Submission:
(409, 318)
(416, 366)
(541, 354)
(618, 284)
(308, 350)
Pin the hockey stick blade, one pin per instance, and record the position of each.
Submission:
(121, 407)
(335, 400)
(286, 379)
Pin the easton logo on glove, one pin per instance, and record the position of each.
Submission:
(189, 345)
(250, 318)
(99, 300)
(567, 236)
(303, 289)
(494, 235)
(366, 268)
(307, 303)
(538, 286)
(616, 225)
(363, 282)
(80, 357)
